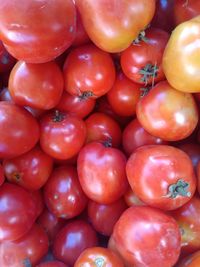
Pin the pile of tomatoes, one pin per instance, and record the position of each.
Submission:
(99, 133)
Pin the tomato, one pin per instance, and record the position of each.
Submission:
(142, 63)
(101, 172)
(37, 197)
(6, 60)
(52, 264)
(76, 105)
(36, 85)
(88, 72)
(62, 135)
(198, 177)
(104, 217)
(180, 59)
(25, 251)
(124, 96)
(143, 231)
(30, 170)
(63, 194)
(17, 212)
(2, 176)
(134, 136)
(131, 199)
(98, 256)
(19, 130)
(167, 113)
(102, 128)
(24, 23)
(113, 25)
(72, 240)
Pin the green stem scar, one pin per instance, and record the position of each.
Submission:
(181, 188)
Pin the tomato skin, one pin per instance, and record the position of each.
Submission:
(19, 130)
(28, 249)
(192, 260)
(62, 135)
(91, 256)
(103, 128)
(98, 69)
(6, 60)
(113, 25)
(136, 57)
(167, 113)
(180, 63)
(63, 194)
(131, 199)
(19, 208)
(26, 41)
(37, 197)
(103, 168)
(36, 85)
(2, 176)
(52, 264)
(143, 231)
(157, 167)
(30, 170)
(72, 240)
(198, 177)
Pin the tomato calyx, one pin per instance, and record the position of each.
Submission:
(141, 37)
(149, 71)
(144, 91)
(107, 143)
(16, 176)
(99, 262)
(27, 262)
(86, 95)
(58, 116)
(179, 189)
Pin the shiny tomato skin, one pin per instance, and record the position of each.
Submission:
(192, 260)
(101, 172)
(30, 170)
(96, 256)
(52, 264)
(167, 113)
(36, 85)
(63, 194)
(24, 23)
(137, 56)
(104, 217)
(113, 25)
(28, 249)
(72, 240)
(158, 168)
(62, 135)
(16, 205)
(98, 69)
(143, 231)
(19, 130)
(6, 60)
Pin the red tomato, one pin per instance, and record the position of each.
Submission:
(2, 177)
(143, 231)
(103, 128)
(124, 96)
(101, 172)
(52, 264)
(19, 130)
(63, 194)
(98, 256)
(192, 260)
(161, 176)
(131, 199)
(37, 197)
(6, 60)
(167, 113)
(17, 212)
(104, 217)
(36, 85)
(88, 72)
(62, 135)
(26, 251)
(113, 25)
(198, 177)
(142, 63)
(37, 31)
(134, 136)
(72, 240)
(30, 170)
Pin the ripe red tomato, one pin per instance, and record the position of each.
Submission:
(161, 176)
(26, 251)
(19, 130)
(88, 72)
(62, 135)
(72, 240)
(142, 63)
(52, 264)
(143, 231)
(101, 172)
(103, 128)
(30, 170)
(37, 31)
(167, 113)
(36, 85)
(113, 25)
(37, 197)
(63, 194)
(17, 212)
(98, 256)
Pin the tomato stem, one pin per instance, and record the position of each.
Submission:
(149, 71)
(179, 189)
(144, 91)
(58, 116)
(141, 37)
(86, 95)
(108, 142)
